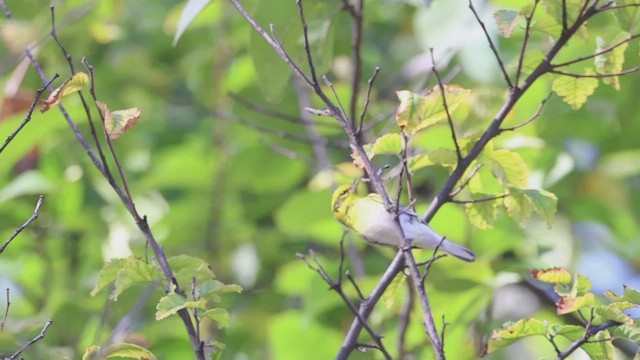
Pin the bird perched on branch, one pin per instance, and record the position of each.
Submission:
(371, 220)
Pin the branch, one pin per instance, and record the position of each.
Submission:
(29, 114)
(35, 339)
(533, 117)
(525, 41)
(366, 101)
(356, 12)
(446, 106)
(591, 331)
(337, 287)
(603, 51)
(34, 216)
(596, 76)
(493, 47)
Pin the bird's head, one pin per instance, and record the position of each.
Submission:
(342, 199)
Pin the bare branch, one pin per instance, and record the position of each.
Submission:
(446, 107)
(6, 312)
(32, 341)
(366, 101)
(525, 41)
(33, 216)
(493, 47)
(29, 114)
(533, 117)
(597, 76)
(598, 53)
(475, 201)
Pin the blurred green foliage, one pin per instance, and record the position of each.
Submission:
(210, 174)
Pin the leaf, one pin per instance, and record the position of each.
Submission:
(417, 112)
(191, 10)
(508, 167)
(522, 202)
(555, 9)
(600, 346)
(389, 295)
(134, 272)
(72, 85)
(387, 144)
(444, 157)
(614, 312)
(611, 62)
(186, 268)
(220, 316)
(631, 295)
(628, 16)
(627, 331)
(575, 90)
(123, 350)
(511, 332)
(482, 214)
(555, 275)
(569, 304)
(119, 121)
(582, 284)
(210, 290)
(171, 303)
(108, 274)
(507, 21)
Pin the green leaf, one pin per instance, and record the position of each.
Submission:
(627, 331)
(220, 316)
(507, 21)
(611, 62)
(628, 16)
(389, 295)
(615, 312)
(72, 85)
(512, 332)
(555, 275)
(185, 268)
(600, 346)
(387, 144)
(134, 272)
(575, 90)
(171, 303)
(123, 350)
(522, 202)
(210, 290)
(108, 274)
(119, 121)
(509, 167)
(482, 214)
(417, 112)
(631, 295)
(569, 304)
(582, 284)
(444, 157)
(555, 9)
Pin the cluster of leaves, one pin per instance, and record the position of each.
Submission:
(601, 322)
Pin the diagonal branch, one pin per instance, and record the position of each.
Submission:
(33, 216)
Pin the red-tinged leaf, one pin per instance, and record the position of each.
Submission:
(569, 304)
(72, 85)
(553, 275)
(119, 121)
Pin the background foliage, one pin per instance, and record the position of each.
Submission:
(245, 190)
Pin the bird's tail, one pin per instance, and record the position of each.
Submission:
(458, 251)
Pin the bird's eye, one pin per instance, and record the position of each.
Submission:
(344, 192)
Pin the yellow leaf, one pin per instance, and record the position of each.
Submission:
(72, 85)
(575, 90)
(119, 121)
(553, 275)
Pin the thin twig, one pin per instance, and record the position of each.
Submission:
(598, 53)
(356, 12)
(39, 337)
(533, 117)
(27, 118)
(596, 76)
(446, 106)
(367, 99)
(493, 47)
(589, 332)
(6, 312)
(525, 41)
(33, 216)
(404, 319)
(475, 201)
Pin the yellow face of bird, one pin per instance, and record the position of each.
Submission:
(341, 201)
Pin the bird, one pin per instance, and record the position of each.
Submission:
(368, 217)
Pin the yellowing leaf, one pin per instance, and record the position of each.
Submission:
(119, 121)
(389, 295)
(569, 304)
(512, 332)
(417, 112)
(508, 167)
(507, 21)
(482, 214)
(108, 274)
(72, 85)
(552, 275)
(615, 312)
(123, 350)
(612, 61)
(443, 157)
(574, 90)
(522, 202)
(389, 144)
